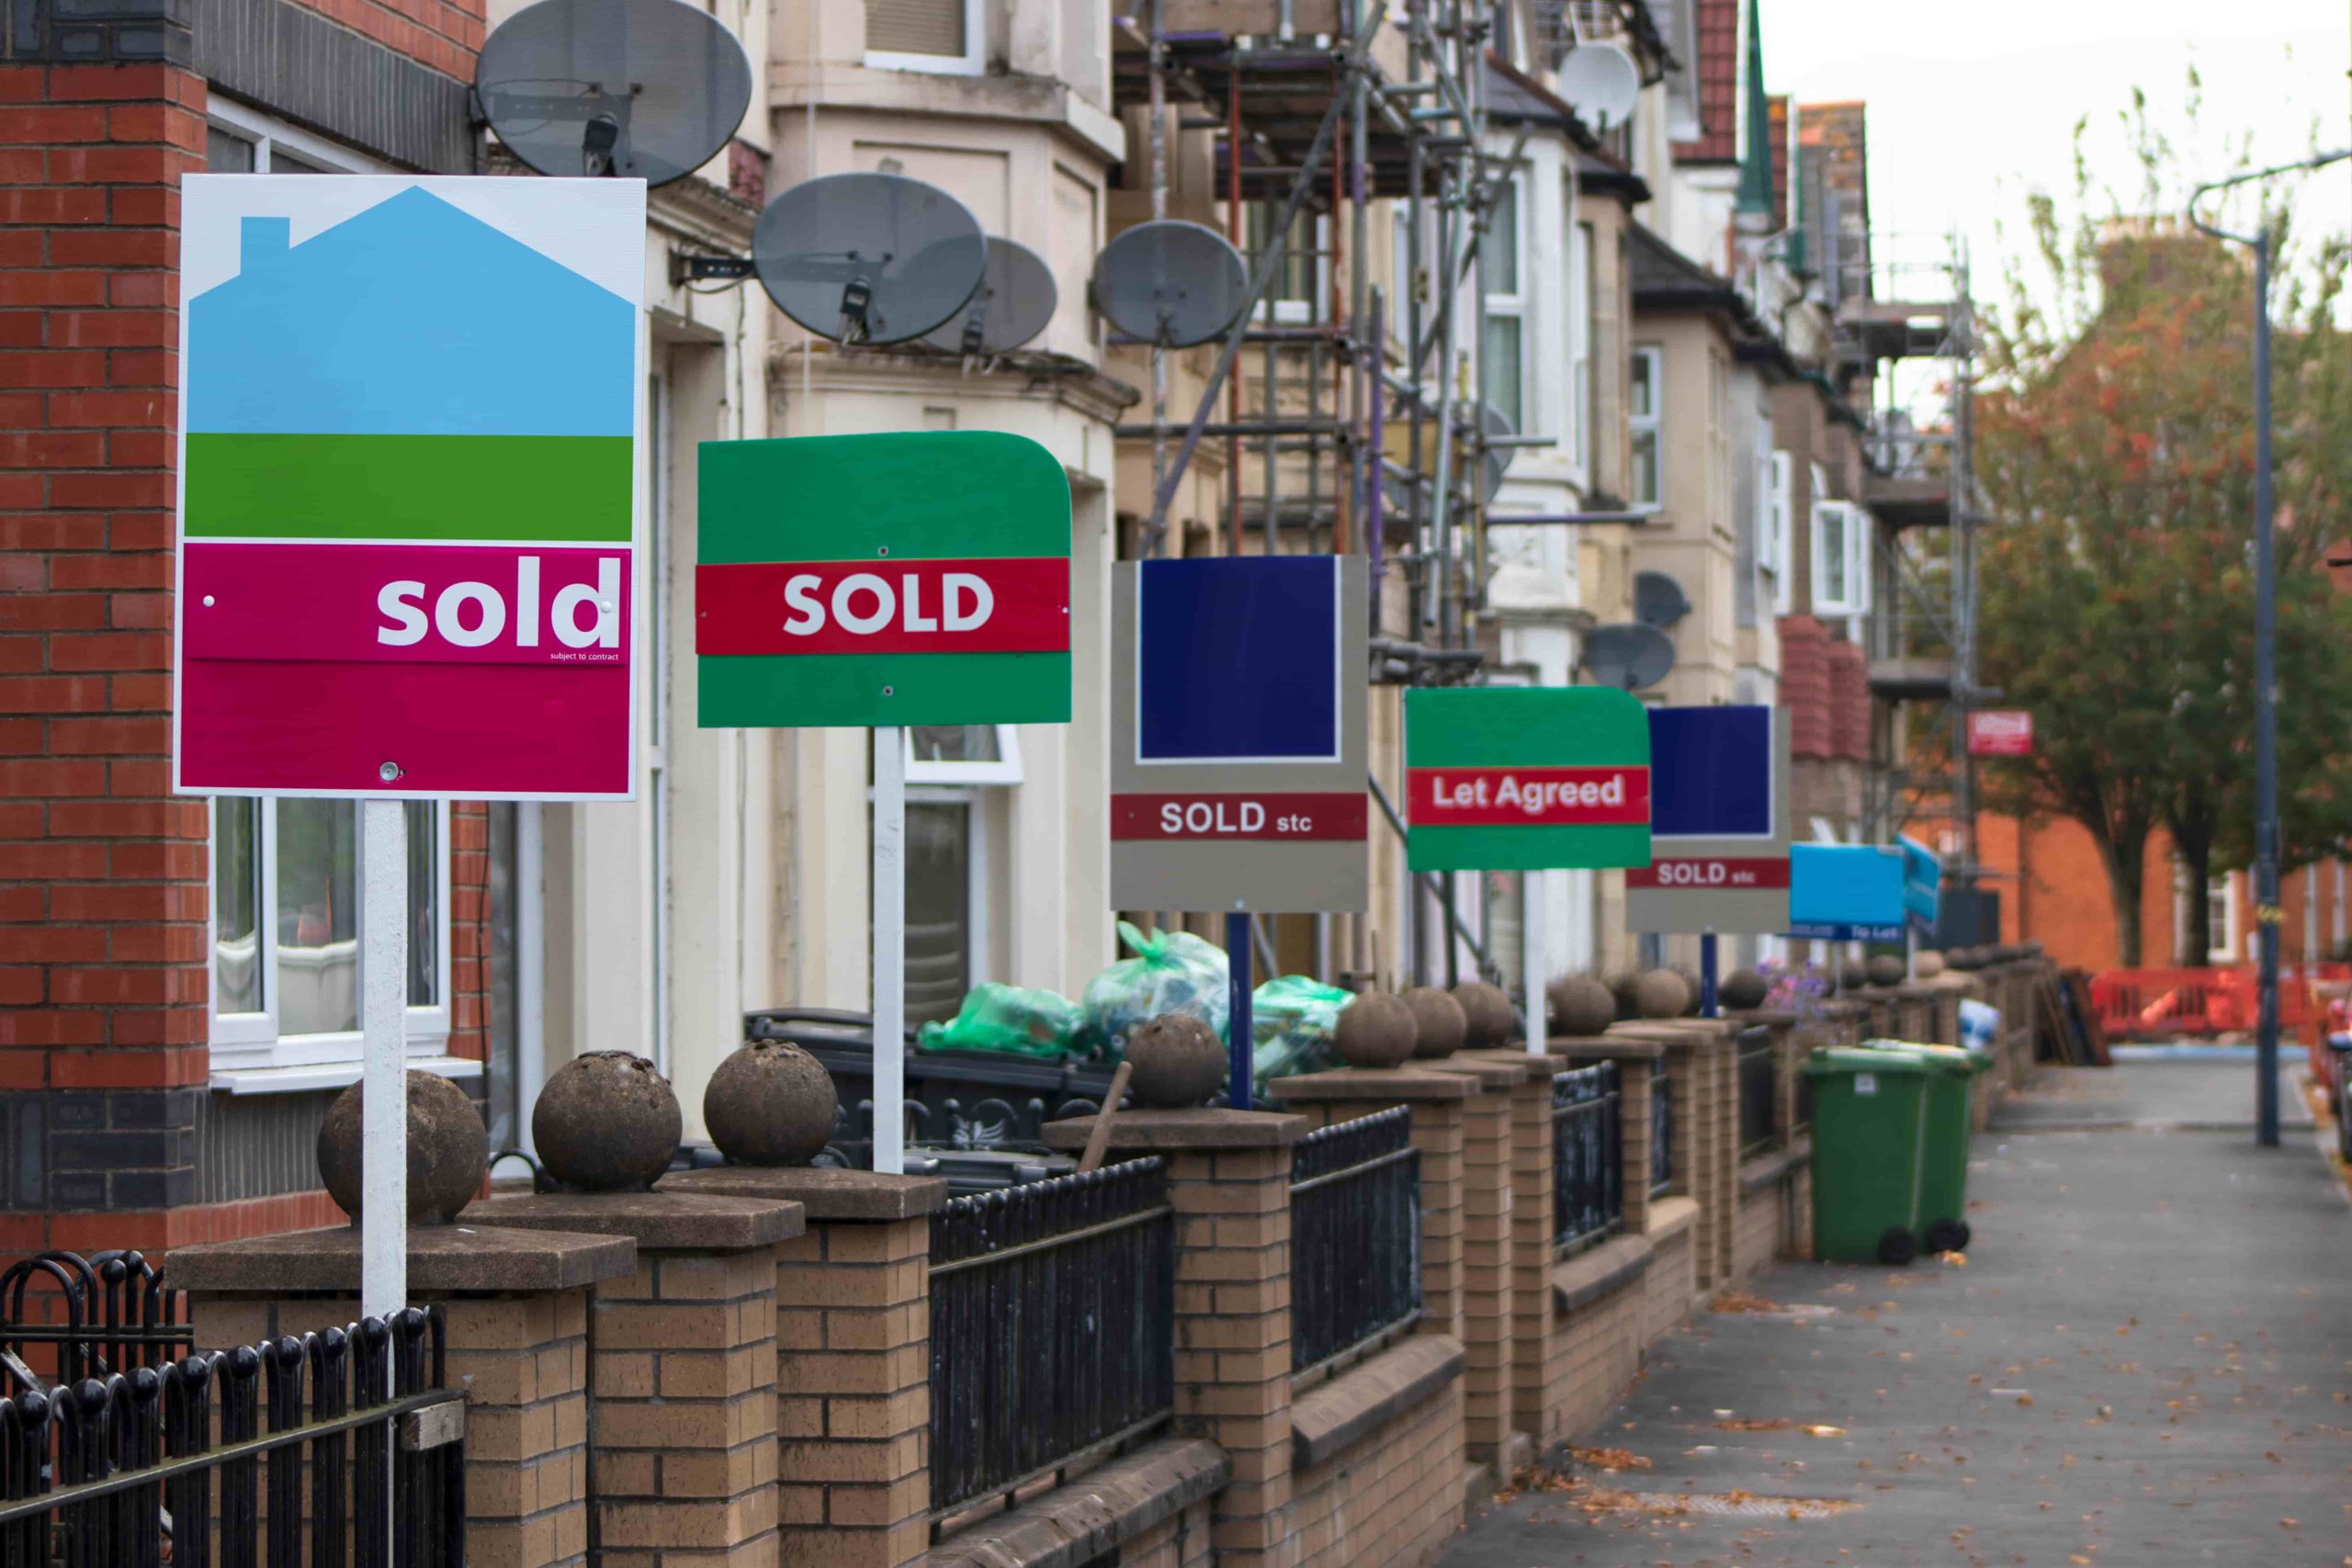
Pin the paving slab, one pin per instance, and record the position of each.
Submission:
(2145, 1359)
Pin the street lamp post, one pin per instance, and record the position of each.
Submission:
(2266, 639)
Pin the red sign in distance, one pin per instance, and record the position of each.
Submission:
(1710, 871)
(1285, 816)
(2000, 732)
(1537, 797)
(988, 605)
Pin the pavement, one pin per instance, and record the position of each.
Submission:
(2146, 1358)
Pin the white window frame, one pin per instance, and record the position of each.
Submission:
(2222, 933)
(1578, 400)
(248, 1052)
(1778, 509)
(268, 132)
(1005, 769)
(1511, 304)
(973, 62)
(1854, 552)
(1652, 424)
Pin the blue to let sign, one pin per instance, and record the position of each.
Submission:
(1923, 881)
(1845, 892)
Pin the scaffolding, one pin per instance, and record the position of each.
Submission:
(1328, 390)
(1899, 303)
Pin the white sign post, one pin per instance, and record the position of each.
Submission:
(890, 949)
(383, 1018)
(1530, 960)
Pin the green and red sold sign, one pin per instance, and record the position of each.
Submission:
(1512, 778)
(882, 580)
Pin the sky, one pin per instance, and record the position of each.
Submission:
(1972, 104)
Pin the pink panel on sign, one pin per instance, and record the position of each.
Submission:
(991, 605)
(261, 725)
(417, 605)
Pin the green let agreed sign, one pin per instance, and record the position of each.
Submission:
(882, 580)
(1507, 778)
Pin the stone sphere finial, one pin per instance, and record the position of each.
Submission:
(449, 1149)
(770, 1103)
(606, 1121)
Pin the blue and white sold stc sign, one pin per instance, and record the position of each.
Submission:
(1845, 892)
(1719, 822)
(1238, 735)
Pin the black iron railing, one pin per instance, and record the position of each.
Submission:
(1759, 1077)
(1661, 1129)
(1052, 1327)
(1355, 1235)
(69, 1318)
(1587, 1158)
(342, 1446)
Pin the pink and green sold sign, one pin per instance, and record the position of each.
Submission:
(883, 579)
(1510, 778)
(408, 492)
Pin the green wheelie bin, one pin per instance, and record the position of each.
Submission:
(1870, 1152)
(1943, 1180)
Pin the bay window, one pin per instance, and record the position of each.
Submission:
(952, 848)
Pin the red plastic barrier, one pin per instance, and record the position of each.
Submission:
(2147, 1004)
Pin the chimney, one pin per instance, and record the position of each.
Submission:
(262, 243)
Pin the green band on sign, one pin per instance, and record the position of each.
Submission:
(572, 489)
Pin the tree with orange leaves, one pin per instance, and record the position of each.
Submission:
(2117, 599)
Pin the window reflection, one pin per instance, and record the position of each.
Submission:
(318, 917)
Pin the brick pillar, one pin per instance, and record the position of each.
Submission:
(1527, 1254)
(1437, 1103)
(1228, 1180)
(1703, 1075)
(102, 871)
(517, 1316)
(1491, 1431)
(682, 1373)
(852, 1384)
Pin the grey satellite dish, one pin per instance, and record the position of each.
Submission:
(1012, 304)
(1170, 282)
(1494, 459)
(868, 258)
(1659, 599)
(650, 89)
(1628, 655)
(1602, 83)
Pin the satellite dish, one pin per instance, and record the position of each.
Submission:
(1628, 655)
(1012, 304)
(1659, 599)
(1170, 282)
(868, 258)
(1601, 82)
(648, 89)
(1494, 459)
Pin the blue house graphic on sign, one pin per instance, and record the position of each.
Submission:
(412, 318)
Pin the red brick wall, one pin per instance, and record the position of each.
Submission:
(1805, 684)
(102, 871)
(1717, 67)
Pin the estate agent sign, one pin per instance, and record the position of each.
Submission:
(1510, 778)
(1719, 823)
(408, 486)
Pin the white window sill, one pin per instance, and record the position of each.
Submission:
(328, 1074)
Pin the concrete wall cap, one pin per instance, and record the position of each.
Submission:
(1149, 1131)
(1612, 1048)
(671, 1221)
(1335, 1415)
(1094, 1514)
(1486, 1072)
(824, 1192)
(1352, 1084)
(1551, 1059)
(455, 1260)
